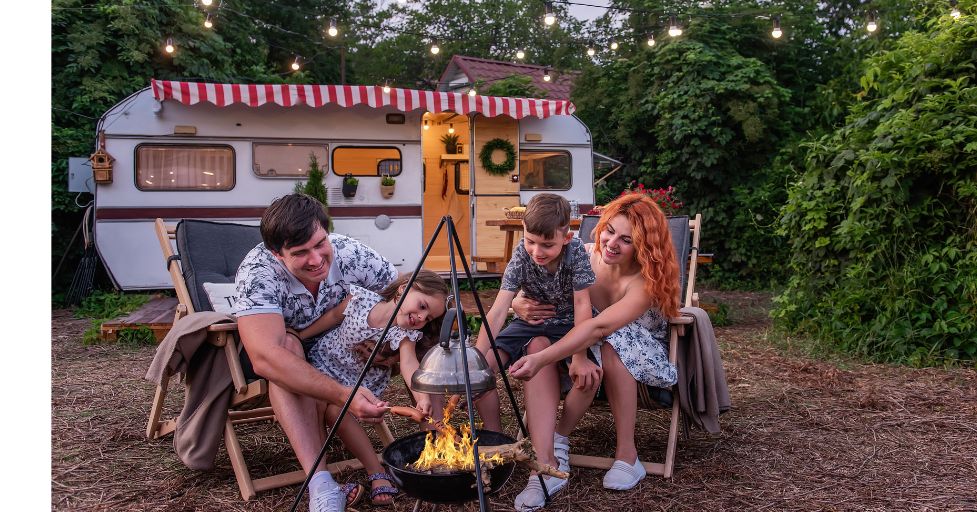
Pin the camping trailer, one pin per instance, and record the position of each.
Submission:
(224, 152)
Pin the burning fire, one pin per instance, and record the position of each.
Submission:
(449, 449)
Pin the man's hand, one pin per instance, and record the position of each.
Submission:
(366, 407)
(525, 368)
(531, 311)
(585, 374)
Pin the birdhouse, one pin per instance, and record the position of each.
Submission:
(102, 162)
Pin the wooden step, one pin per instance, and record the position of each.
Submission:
(157, 315)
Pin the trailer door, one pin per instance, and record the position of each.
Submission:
(491, 194)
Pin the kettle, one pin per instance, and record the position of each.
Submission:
(441, 370)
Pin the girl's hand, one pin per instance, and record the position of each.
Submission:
(525, 368)
(424, 403)
(585, 374)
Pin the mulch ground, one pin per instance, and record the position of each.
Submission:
(803, 434)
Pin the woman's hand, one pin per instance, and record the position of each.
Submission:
(585, 374)
(525, 368)
(532, 312)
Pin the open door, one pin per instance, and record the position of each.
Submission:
(446, 184)
(491, 194)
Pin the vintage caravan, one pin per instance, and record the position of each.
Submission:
(223, 152)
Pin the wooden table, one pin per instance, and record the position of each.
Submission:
(510, 227)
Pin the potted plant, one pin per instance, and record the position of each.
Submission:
(450, 141)
(387, 186)
(349, 185)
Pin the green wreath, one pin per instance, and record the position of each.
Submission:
(505, 167)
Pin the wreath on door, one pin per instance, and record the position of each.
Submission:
(499, 169)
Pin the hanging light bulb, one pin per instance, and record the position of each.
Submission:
(546, 75)
(549, 18)
(333, 31)
(402, 2)
(776, 32)
(386, 87)
(451, 128)
(207, 2)
(472, 92)
(614, 45)
(426, 126)
(208, 23)
(954, 12)
(169, 45)
(435, 49)
(590, 52)
(872, 24)
(520, 54)
(674, 29)
(651, 39)
(295, 64)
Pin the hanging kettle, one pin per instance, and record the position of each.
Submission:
(442, 370)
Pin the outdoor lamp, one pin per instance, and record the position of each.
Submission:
(208, 23)
(451, 128)
(651, 39)
(169, 45)
(673, 29)
(472, 92)
(549, 18)
(872, 25)
(776, 32)
(333, 31)
(295, 64)
(546, 75)
(386, 88)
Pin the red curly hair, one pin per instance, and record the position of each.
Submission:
(653, 247)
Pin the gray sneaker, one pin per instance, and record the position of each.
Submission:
(561, 449)
(327, 497)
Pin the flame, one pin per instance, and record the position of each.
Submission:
(449, 449)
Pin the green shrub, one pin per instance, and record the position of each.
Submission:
(102, 306)
(882, 221)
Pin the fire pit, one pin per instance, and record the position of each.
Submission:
(436, 487)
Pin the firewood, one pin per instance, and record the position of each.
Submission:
(521, 452)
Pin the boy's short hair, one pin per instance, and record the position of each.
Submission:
(546, 213)
(292, 220)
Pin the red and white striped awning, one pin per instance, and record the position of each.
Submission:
(405, 100)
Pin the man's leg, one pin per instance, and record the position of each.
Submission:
(300, 417)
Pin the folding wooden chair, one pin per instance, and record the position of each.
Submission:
(215, 261)
(685, 237)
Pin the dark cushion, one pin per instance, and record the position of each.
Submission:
(210, 252)
(681, 239)
(587, 225)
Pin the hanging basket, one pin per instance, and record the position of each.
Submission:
(493, 168)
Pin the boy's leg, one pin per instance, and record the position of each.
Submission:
(489, 405)
(542, 399)
(575, 405)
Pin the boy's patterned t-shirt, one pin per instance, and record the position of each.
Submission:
(264, 285)
(573, 274)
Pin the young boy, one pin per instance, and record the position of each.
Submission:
(549, 265)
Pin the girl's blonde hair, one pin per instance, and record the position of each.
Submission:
(653, 247)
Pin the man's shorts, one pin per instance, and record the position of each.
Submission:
(248, 369)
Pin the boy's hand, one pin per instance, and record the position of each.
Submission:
(585, 374)
(531, 311)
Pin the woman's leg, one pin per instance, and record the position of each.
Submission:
(622, 393)
(542, 399)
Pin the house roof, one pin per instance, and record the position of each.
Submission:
(484, 70)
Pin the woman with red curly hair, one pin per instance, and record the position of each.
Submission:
(635, 293)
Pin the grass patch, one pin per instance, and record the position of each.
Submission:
(103, 306)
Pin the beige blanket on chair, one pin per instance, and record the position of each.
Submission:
(200, 427)
(703, 393)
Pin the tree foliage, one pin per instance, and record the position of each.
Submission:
(882, 220)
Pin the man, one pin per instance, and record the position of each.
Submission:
(285, 283)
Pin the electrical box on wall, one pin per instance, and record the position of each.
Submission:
(80, 178)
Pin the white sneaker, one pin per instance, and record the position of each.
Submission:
(326, 496)
(623, 476)
(532, 498)
(561, 449)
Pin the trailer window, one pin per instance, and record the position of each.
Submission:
(366, 161)
(544, 170)
(184, 167)
(276, 160)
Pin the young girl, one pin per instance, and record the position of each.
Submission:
(342, 352)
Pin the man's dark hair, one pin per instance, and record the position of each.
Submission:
(545, 214)
(292, 220)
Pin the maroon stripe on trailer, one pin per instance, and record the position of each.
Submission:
(246, 212)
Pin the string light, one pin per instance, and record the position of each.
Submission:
(333, 31)
(520, 54)
(872, 24)
(435, 49)
(295, 64)
(590, 51)
(549, 18)
(674, 29)
(614, 45)
(954, 12)
(651, 39)
(546, 75)
(451, 128)
(386, 87)
(207, 2)
(776, 32)
(208, 23)
(169, 45)
(426, 126)
(472, 92)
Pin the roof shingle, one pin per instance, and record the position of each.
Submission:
(487, 71)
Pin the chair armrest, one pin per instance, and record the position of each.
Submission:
(223, 327)
(681, 320)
